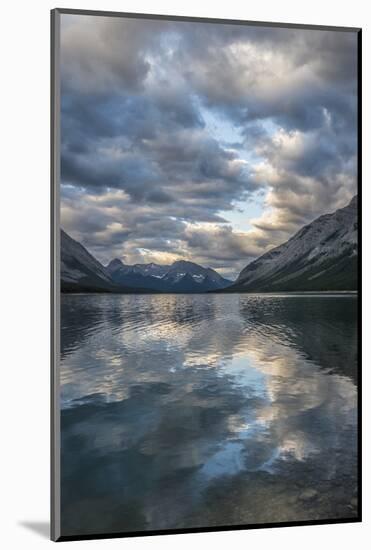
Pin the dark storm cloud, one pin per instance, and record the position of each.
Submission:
(157, 151)
(143, 171)
(98, 55)
(131, 172)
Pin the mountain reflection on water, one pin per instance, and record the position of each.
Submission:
(184, 411)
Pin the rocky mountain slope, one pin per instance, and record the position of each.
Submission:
(79, 269)
(81, 272)
(323, 255)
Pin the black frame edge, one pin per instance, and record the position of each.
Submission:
(359, 300)
(54, 285)
(223, 528)
(196, 19)
(52, 269)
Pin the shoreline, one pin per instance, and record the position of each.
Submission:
(280, 293)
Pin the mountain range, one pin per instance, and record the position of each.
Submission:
(81, 272)
(181, 276)
(323, 255)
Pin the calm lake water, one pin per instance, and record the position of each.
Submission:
(183, 411)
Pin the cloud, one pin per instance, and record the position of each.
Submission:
(308, 174)
(169, 126)
(99, 54)
(259, 73)
(133, 144)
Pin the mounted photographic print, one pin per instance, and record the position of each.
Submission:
(205, 274)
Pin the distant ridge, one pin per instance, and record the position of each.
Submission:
(81, 272)
(181, 276)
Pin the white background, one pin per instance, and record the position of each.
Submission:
(24, 298)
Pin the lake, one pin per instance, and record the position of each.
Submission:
(186, 411)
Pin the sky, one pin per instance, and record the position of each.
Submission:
(202, 141)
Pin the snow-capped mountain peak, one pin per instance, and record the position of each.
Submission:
(182, 275)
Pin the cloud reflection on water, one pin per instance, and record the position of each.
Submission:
(169, 398)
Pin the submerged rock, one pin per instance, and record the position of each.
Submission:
(308, 494)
